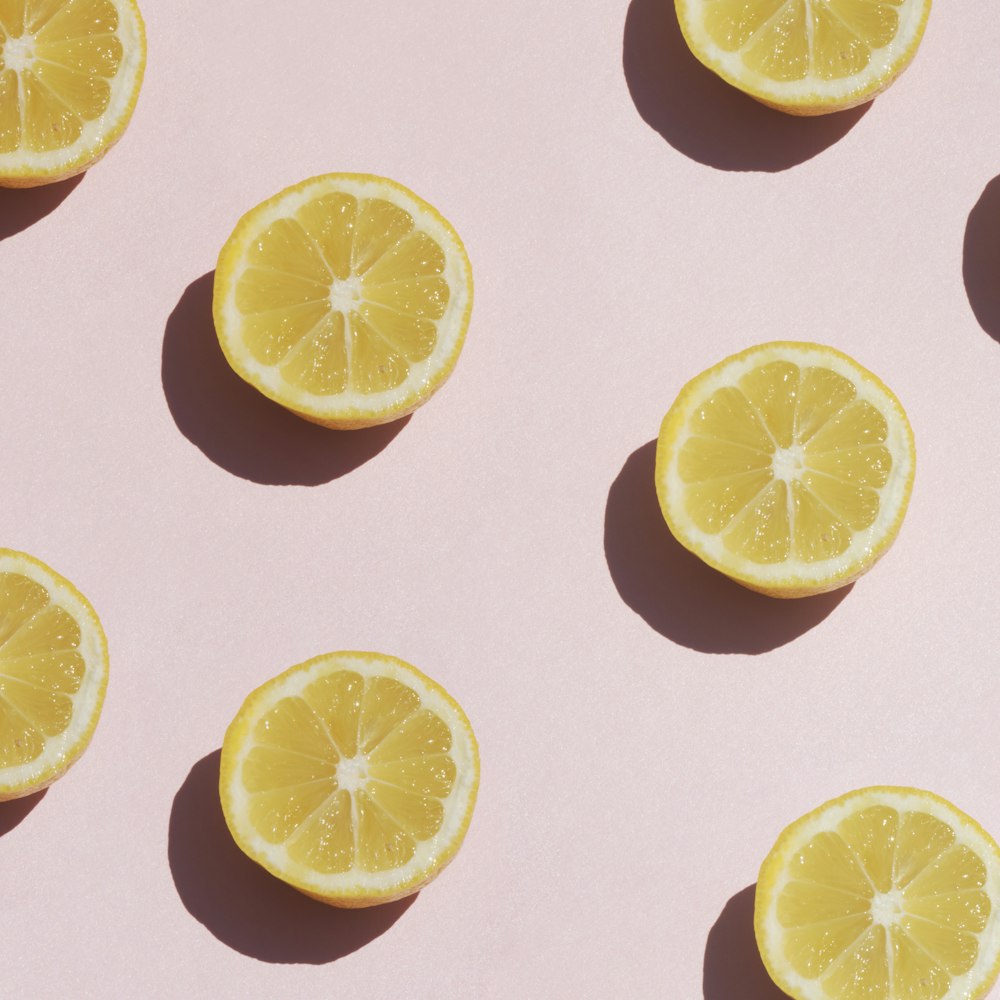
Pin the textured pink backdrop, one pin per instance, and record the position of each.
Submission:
(646, 727)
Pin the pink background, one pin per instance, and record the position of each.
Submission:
(646, 727)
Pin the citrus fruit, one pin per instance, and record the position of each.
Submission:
(53, 674)
(788, 467)
(351, 776)
(70, 72)
(805, 57)
(881, 894)
(344, 298)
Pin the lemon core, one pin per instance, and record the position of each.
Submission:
(19, 53)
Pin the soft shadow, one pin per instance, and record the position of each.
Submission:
(733, 968)
(241, 904)
(676, 593)
(23, 207)
(981, 259)
(705, 118)
(234, 425)
(14, 811)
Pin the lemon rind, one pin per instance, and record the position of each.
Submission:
(350, 408)
(773, 877)
(63, 750)
(793, 577)
(354, 888)
(25, 168)
(811, 95)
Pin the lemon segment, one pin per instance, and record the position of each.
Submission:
(787, 467)
(352, 777)
(53, 674)
(345, 298)
(805, 57)
(882, 894)
(70, 73)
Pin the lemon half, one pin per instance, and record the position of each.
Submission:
(352, 777)
(788, 467)
(70, 73)
(345, 298)
(881, 894)
(805, 57)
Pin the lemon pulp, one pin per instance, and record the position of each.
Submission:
(344, 294)
(786, 463)
(805, 56)
(351, 773)
(795, 39)
(41, 669)
(70, 73)
(53, 674)
(57, 61)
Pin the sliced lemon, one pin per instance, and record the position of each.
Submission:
(806, 57)
(70, 73)
(352, 777)
(788, 467)
(53, 674)
(881, 894)
(345, 298)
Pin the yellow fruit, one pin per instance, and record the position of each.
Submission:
(53, 674)
(805, 57)
(352, 777)
(881, 894)
(344, 298)
(70, 72)
(788, 467)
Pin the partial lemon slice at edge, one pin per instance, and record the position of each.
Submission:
(70, 75)
(53, 674)
(805, 57)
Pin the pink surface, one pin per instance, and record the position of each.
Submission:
(646, 727)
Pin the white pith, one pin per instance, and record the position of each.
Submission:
(888, 907)
(95, 132)
(356, 881)
(345, 294)
(788, 463)
(865, 545)
(352, 773)
(882, 65)
(60, 750)
(423, 375)
(17, 53)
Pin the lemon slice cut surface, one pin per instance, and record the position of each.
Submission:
(70, 73)
(53, 674)
(345, 298)
(788, 467)
(805, 57)
(352, 777)
(881, 894)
